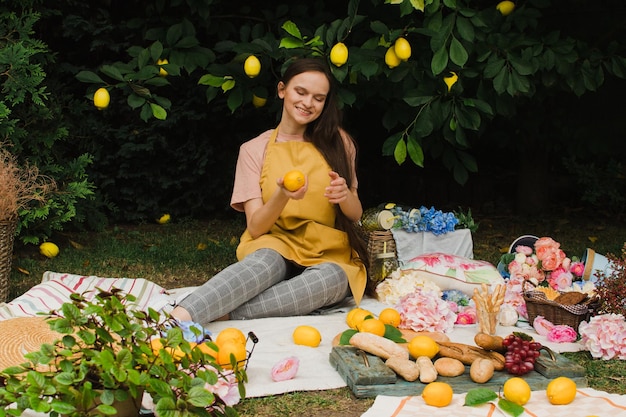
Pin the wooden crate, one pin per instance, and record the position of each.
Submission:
(378, 379)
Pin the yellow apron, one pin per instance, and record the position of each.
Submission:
(304, 233)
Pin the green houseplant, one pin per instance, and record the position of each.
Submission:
(111, 354)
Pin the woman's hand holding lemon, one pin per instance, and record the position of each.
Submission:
(294, 183)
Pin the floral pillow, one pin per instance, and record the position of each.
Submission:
(453, 272)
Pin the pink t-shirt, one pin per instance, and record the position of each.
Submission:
(247, 183)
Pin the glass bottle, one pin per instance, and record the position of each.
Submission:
(384, 264)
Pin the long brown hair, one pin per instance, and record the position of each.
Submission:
(325, 134)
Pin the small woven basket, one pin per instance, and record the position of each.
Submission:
(378, 241)
(572, 315)
(7, 238)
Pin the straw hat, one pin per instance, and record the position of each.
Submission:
(21, 335)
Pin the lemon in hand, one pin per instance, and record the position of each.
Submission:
(339, 54)
(252, 66)
(293, 180)
(49, 249)
(516, 390)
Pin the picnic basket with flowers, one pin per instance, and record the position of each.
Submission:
(547, 282)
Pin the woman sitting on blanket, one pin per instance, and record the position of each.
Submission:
(300, 250)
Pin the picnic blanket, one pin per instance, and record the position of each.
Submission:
(274, 338)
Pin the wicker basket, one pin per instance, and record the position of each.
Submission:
(7, 238)
(572, 315)
(378, 241)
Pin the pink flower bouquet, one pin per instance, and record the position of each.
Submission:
(604, 336)
(425, 310)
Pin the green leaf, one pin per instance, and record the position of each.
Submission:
(112, 72)
(291, 43)
(477, 396)
(399, 153)
(501, 81)
(344, 339)
(439, 61)
(235, 99)
(158, 112)
(415, 101)
(415, 151)
(292, 29)
(134, 101)
(89, 77)
(228, 84)
(394, 334)
(212, 80)
(510, 407)
(458, 54)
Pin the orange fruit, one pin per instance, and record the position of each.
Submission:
(230, 347)
(516, 390)
(437, 394)
(307, 336)
(561, 391)
(293, 180)
(374, 326)
(390, 316)
(423, 346)
(230, 333)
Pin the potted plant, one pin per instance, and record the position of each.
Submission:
(19, 186)
(110, 355)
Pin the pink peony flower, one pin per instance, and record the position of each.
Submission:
(604, 336)
(424, 310)
(562, 333)
(577, 268)
(285, 369)
(560, 279)
(526, 250)
(542, 326)
(466, 315)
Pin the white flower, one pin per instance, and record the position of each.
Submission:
(401, 283)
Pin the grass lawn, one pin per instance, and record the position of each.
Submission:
(188, 253)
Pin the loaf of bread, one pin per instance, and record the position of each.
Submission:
(406, 368)
(378, 345)
(449, 367)
(468, 354)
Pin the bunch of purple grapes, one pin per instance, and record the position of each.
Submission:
(521, 353)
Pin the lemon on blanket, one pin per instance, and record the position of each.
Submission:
(561, 391)
(307, 336)
(438, 394)
(516, 390)
(356, 316)
(228, 350)
(230, 333)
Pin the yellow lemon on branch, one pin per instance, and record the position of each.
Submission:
(101, 98)
(339, 54)
(252, 66)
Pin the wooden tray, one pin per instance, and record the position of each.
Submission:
(378, 379)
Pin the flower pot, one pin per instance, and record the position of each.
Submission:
(595, 264)
(7, 237)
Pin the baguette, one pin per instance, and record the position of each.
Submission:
(468, 354)
(406, 368)
(378, 345)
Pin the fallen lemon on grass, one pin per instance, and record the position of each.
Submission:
(252, 66)
(293, 180)
(374, 326)
(437, 394)
(339, 54)
(390, 316)
(423, 346)
(561, 391)
(49, 249)
(164, 219)
(101, 98)
(307, 336)
(505, 7)
(516, 390)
